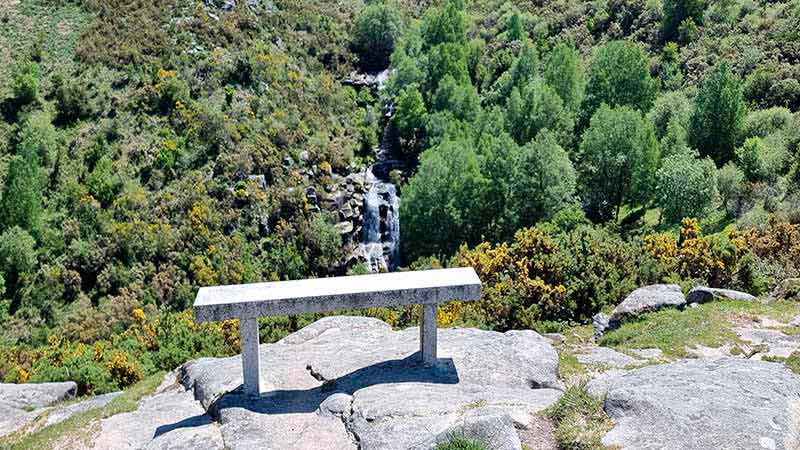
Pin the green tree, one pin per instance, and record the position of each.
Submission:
(523, 70)
(409, 118)
(377, 29)
(445, 25)
(619, 156)
(675, 141)
(537, 107)
(447, 59)
(441, 204)
(619, 76)
(37, 136)
(17, 258)
(670, 107)
(715, 126)
(686, 186)
(21, 204)
(675, 12)
(564, 72)
(750, 158)
(514, 29)
(544, 179)
(460, 99)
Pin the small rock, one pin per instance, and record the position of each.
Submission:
(600, 322)
(344, 227)
(706, 294)
(795, 322)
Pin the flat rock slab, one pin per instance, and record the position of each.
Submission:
(36, 395)
(699, 405)
(354, 383)
(606, 357)
(13, 419)
(777, 344)
(21, 404)
(170, 419)
(58, 415)
(707, 294)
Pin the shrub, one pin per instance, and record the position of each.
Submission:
(377, 28)
(25, 82)
(730, 184)
(461, 443)
(750, 158)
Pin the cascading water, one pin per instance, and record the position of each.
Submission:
(381, 232)
(380, 243)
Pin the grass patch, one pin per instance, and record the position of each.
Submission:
(711, 325)
(569, 368)
(792, 362)
(579, 419)
(78, 425)
(461, 443)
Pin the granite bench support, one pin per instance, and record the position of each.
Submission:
(248, 302)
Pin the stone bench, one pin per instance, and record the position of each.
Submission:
(248, 302)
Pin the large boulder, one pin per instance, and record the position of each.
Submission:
(353, 382)
(36, 395)
(643, 300)
(704, 294)
(727, 403)
(21, 404)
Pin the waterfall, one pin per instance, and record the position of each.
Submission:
(380, 243)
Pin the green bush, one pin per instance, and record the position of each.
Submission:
(461, 443)
(25, 82)
(750, 157)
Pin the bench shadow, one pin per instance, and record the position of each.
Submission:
(289, 401)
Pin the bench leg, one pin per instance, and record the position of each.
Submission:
(251, 360)
(427, 333)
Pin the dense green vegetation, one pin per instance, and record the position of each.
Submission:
(558, 147)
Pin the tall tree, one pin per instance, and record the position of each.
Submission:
(537, 107)
(565, 73)
(377, 29)
(619, 156)
(442, 202)
(446, 25)
(715, 127)
(544, 179)
(686, 186)
(619, 76)
(21, 204)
